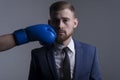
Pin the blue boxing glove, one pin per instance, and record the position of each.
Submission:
(41, 32)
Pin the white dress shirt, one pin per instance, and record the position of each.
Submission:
(59, 57)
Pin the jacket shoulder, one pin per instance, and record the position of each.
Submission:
(87, 49)
(83, 45)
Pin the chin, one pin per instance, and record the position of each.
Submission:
(61, 39)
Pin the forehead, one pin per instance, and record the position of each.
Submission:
(62, 13)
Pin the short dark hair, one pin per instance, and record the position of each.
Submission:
(60, 5)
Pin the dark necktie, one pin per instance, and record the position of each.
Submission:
(66, 66)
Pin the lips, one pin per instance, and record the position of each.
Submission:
(60, 32)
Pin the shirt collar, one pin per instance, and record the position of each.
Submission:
(71, 46)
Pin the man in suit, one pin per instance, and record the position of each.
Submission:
(46, 61)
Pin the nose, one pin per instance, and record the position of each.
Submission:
(61, 25)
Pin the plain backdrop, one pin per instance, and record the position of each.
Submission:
(99, 25)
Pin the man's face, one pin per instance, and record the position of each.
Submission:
(64, 23)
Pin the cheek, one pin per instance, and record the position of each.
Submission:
(70, 29)
(71, 26)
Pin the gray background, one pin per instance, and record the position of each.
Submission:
(98, 25)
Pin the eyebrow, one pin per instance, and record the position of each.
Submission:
(61, 18)
(65, 18)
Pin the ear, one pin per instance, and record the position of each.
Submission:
(75, 22)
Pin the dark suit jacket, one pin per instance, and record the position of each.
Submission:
(86, 63)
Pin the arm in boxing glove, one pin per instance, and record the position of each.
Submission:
(41, 32)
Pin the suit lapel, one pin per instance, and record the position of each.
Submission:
(78, 60)
(51, 63)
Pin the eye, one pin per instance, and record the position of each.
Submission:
(65, 20)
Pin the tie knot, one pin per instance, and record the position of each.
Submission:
(65, 49)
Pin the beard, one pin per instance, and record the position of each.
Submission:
(63, 36)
